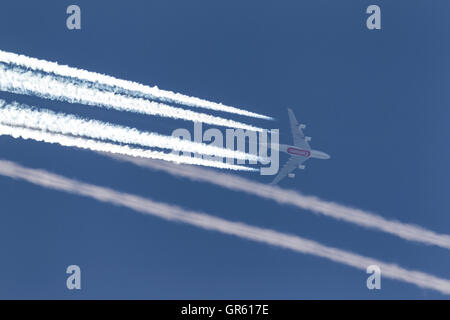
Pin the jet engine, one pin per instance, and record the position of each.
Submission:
(291, 175)
(301, 166)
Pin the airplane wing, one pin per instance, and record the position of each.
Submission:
(297, 133)
(290, 166)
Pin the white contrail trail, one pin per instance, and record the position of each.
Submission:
(19, 115)
(16, 80)
(94, 145)
(129, 87)
(294, 198)
(208, 222)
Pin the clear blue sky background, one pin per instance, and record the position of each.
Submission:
(377, 101)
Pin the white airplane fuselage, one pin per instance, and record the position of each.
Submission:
(298, 152)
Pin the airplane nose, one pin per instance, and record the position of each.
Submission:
(320, 155)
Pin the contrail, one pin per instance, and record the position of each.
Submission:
(208, 222)
(123, 86)
(294, 198)
(19, 115)
(83, 143)
(16, 80)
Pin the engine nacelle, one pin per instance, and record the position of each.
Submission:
(308, 139)
(291, 175)
(302, 126)
(301, 167)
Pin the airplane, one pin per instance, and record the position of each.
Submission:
(299, 152)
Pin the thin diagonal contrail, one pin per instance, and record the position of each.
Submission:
(208, 222)
(94, 145)
(19, 115)
(21, 81)
(331, 209)
(124, 86)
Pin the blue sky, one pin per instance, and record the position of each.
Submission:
(376, 101)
